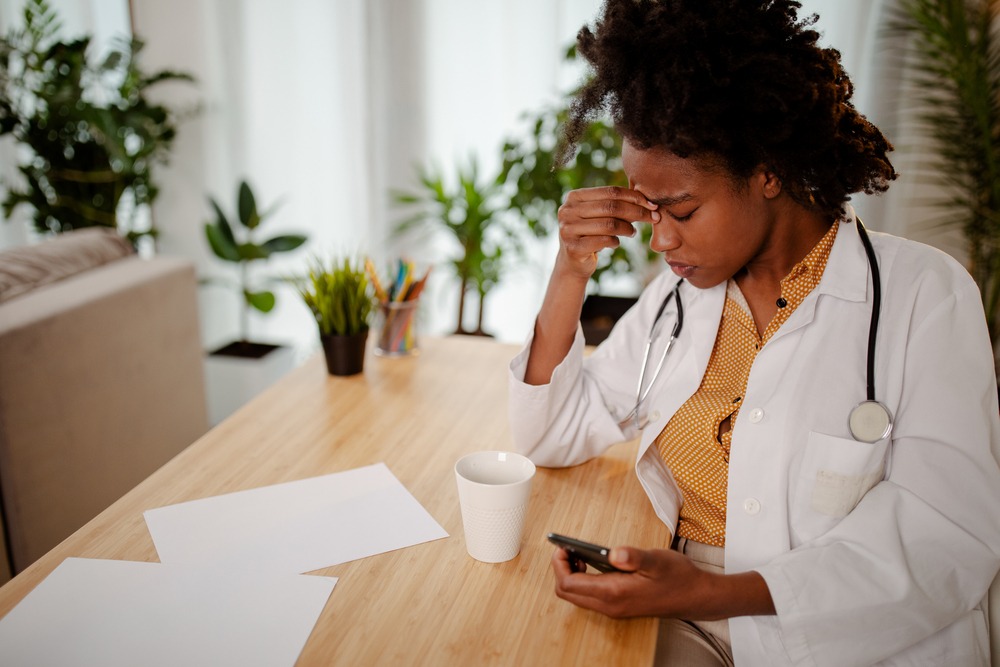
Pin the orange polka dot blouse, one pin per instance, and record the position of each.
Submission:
(696, 441)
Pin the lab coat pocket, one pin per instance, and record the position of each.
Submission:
(835, 474)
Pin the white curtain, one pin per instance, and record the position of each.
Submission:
(327, 106)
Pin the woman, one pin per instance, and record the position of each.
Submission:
(805, 532)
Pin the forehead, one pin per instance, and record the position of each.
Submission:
(661, 174)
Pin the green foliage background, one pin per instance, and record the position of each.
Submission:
(955, 54)
(92, 132)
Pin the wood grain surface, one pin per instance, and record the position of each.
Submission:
(428, 604)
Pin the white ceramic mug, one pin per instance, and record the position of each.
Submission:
(493, 490)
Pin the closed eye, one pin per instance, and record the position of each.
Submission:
(681, 218)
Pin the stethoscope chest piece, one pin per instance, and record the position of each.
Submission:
(870, 421)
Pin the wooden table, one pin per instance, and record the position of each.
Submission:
(431, 603)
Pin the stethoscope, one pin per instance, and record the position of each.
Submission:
(869, 421)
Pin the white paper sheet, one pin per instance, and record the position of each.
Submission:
(297, 526)
(118, 613)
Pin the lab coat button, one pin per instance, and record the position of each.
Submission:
(756, 415)
(654, 416)
(751, 506)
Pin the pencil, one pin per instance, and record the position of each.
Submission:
(376, 283)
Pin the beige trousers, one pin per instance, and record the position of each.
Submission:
(696, 643)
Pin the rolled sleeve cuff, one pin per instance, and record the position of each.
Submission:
(793, 644)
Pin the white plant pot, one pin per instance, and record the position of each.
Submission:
(230, 382)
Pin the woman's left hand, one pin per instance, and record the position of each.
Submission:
(663, 583)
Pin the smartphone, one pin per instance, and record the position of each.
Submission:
(592, 554)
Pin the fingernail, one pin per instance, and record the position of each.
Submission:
(619, 555)
(655, 215)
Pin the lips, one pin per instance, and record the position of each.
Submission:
(681, 269)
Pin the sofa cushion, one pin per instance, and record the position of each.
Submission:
(24, 268)
(101, 382)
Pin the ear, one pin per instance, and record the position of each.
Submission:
(767, 181)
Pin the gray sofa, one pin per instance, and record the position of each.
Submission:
(101, 382)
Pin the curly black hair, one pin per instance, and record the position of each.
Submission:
(743, 81)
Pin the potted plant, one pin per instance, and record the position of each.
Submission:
(954, 54)
(240, 369)
(340, 297)
(92, 134)
(240, 246)
(536, 188)
(468, 210)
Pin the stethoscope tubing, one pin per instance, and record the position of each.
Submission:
(640, 394)
(870, 420)
(876, 308)
(882, 413)
(678, 325)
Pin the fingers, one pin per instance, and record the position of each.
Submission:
(592, 219)
(606, 211)
(627, 559)
(563, 563)
(575, 585)
(654, 583)
(616, 200)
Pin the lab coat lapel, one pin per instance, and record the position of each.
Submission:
(846, 276)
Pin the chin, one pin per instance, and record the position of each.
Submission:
(704, 282)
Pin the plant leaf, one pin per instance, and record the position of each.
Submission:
(248, 207)
(252, 251)
(222, 221)
(221, 243)
(284, 243)
(262, 301)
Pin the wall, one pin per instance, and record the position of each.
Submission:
(326, 107)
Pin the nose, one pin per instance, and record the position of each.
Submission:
(665, 237)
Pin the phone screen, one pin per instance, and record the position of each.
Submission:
(592, 554)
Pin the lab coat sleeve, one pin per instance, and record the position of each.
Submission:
(920, 549)
(575, 416)
(564, 422)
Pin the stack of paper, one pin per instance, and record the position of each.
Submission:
(295, 527)
(227, 590)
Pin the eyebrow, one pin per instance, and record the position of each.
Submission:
(670, 201)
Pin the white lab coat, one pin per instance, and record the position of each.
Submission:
(872, 552)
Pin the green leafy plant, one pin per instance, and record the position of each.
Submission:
(239, 246)
(92, 133)
(339, 296)
(955, 56)
(537, 188)
(468, 211)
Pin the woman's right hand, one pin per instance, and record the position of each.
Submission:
(592, 219)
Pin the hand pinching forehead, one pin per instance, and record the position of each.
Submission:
(611, 204)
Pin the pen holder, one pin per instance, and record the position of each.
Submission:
(397, 328)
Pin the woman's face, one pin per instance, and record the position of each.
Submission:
(712, 225)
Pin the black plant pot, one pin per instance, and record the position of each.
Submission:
(599, 315)
(244, 349)
(345, 355)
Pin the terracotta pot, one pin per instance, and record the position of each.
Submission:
(345, 355)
